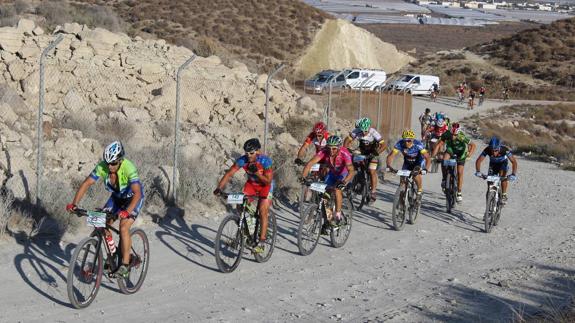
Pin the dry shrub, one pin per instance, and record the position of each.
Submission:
(59, 12)
(298, 127)
(6, 201)
(114, 129)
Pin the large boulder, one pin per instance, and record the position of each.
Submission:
(102, 40)
(18, 70)
(11, 39)
(10, 97)
(26, 26)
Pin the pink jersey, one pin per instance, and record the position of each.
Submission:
(339, 164)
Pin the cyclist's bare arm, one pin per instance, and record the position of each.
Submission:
(427, 160)
(136, 188)
(472, 147)
(436, 148)
(226, 178)
(513, 164)
(89, 181)
(478, 163)
(350, 173)
(309, 164)
(381, 147)
(391, 157)
(347, 142)
(302, 149)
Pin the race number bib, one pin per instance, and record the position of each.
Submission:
(318, 187)
(96, 219)
(235, 199)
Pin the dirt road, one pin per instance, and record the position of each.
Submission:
(442, 268)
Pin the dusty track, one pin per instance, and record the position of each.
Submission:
(443, 268)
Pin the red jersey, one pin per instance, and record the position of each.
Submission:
(319, 144)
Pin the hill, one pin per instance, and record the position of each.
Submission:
(546, 53)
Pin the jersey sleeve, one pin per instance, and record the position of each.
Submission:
(420, 147)
(484, 153)
(320, 154)
(131, 172)
(99, 171)
(240, 162)
(347, 159)
(266, 163)
(397, 147)
(309, 138)
(353, 134)
(376, 135)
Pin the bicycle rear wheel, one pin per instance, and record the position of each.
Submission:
(85, 273)
(139, 262)
(489, 211)
(449, 192)
(398, 211)
(414, 205)
(309, 230)
(229, 244)
(270, 239)
(341, 231)
(360, 188)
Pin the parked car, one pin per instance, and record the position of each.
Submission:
(416, 84)
(319, 83)
(354, 78)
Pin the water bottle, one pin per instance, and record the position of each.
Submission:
(251, 217)
(111, 244)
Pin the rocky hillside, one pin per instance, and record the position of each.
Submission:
(102, 85)
(546, 53)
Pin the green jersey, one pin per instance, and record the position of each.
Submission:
(456, 145)
(127, 175)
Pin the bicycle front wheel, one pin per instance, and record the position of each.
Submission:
(488, 218)
(85, 273)
(139, 262)
(271, 234)
(414, 204)
(341, 231)
(309, 230)
(398, 211)
(229, 244)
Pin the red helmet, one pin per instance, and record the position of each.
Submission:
(319, 127)
(455, 128)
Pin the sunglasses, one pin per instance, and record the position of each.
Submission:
(250, 152)
(116, 163)
(333, 148)
(408, 140)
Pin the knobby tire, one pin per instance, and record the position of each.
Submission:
(139, 262)
(270, 239)
(89, 271)
(398, 211)
(234, 240)
(489, 211)
(340, 234)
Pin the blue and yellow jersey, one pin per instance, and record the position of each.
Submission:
(127, 175)
(414, 153)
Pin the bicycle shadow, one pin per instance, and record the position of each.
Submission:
(287, 228)
(197, 246)
(433, 206)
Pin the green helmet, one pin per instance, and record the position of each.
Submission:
(363, 124)
(334, 141)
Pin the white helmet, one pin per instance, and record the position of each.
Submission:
(113, 152)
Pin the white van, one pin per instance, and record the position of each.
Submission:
(417, 84)
(355, 77)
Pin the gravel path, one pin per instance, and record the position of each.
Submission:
(442, 268)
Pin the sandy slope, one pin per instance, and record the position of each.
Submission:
(443, 268)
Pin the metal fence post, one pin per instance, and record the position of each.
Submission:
(177, 125)
(379, 108)
(39, 123)
(267, 104)
(329, 97)
(360, 92)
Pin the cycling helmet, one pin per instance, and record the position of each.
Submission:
(113, 152)
(408, 134)
(439, 116)
(334, 141)
(495, 143)
(252, 145)
(319, 127)
(427, 110)
(363, 124)
(455, 128)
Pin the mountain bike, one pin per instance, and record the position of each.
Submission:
(316, 220)
(460, 98)
(481, 99)
(361, 183)
(432, 142)
(405, 200)
(450, 188)
(494, 204)
(242, 229)
(88, 265)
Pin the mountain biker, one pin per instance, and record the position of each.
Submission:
(414, 154)
(340, 167)
(258, 168)
(371, 144)
(461, 91)
(121, 179)
(318, 137)
(434, 91)
(499, 157)
(471, 98)
(425, 120)
(457, 144)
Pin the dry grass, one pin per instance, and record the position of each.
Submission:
(6, 201)
(547, 53)
(541, 132)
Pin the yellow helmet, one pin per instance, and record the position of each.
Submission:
(408, 134)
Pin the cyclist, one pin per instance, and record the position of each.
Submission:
(371, 144)
(414, 154)
(457, 144)
(461, 92)
(318, 137)
(471, 98)
(121, 179)
(258, 168)
(340, 171)
(482, 91)
(499, 157)
(425, 120)
(434, 90)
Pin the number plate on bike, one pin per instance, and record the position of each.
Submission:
(494, 179)
(433, 140)
(403, 172)
(96, 219)
(358, 158)
(315, 168)
(450, 162)
(318, 187)
(235, 199)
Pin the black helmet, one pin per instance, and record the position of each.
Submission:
(252, 144)
(427, 110)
